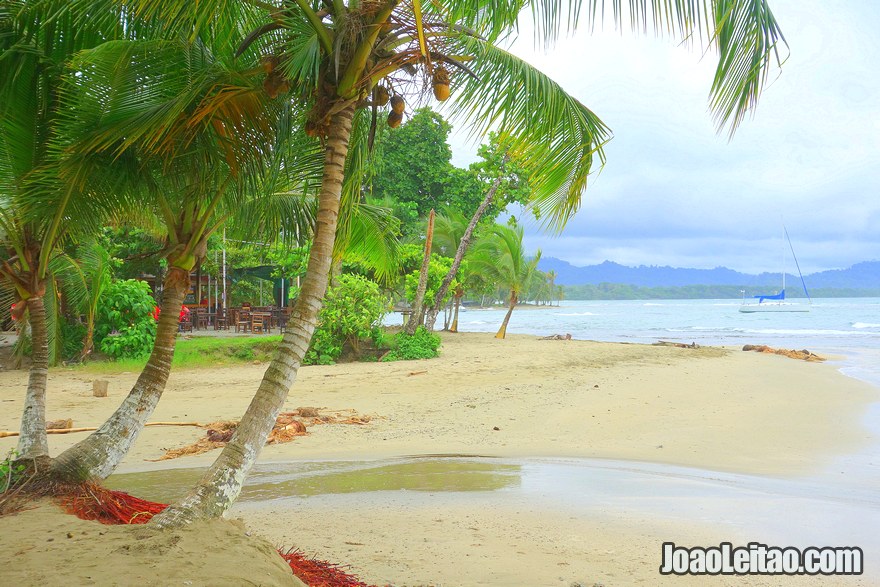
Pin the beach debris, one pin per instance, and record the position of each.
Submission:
(99, 387)
(288, 425)
(91, 501)
(318, 573)
(65, 423)
(496, 428)
(411, 373)
(679, 345)
(802, 355)
(565, 336)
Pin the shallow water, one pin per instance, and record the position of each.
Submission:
(826, 509)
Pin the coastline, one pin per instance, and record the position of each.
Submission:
(710, 408)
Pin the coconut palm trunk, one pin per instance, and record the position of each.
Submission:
(463, 245)
(454, 326)
(32, 443)
(418, 309)
(98, 455)
(502, 332)
(222, 483)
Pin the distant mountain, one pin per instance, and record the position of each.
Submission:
(864, 275)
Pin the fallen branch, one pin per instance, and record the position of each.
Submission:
(565, 336)
(7, 433)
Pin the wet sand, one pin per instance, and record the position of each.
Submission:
(712, 409)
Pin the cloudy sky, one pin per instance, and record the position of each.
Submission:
(674, 192)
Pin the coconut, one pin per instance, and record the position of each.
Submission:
(269, 62)
(394, 119)
(397, 104)
(381, 95)
(440, 82)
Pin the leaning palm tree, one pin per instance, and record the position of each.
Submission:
(341, 58)
(500, 258)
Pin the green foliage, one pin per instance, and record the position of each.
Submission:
(134, 251)
(72, 334)
(352, 312)
(421, 345)
(125, 327)
(411, 167)
(10, 471)
(438, 267)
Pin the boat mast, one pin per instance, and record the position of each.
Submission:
(784, 235)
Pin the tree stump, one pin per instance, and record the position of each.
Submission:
(99, 387)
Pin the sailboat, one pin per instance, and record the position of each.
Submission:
(776, 302)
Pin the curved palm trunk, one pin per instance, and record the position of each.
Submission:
(503, 330)
(222, 483)
(459, 254)
(32, 442)
(454, 327)
(98, 455)
(418, 310)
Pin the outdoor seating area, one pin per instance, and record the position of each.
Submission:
(244, 319)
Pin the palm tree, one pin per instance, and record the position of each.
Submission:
(416, 317)
(36, 211)
(207, 141)
(551, 279)
(501, 258)
(339, 59)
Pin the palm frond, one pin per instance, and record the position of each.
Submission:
(552, 135)
(745, 34)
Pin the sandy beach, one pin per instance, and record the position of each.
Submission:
(712, 409)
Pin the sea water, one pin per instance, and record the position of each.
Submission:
(848, 328)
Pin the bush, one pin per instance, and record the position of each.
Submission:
(124, 325)
(421, 345)
(351, 314)
(72, 335)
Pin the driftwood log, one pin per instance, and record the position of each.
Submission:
(679, 345)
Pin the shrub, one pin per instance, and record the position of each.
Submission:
(124, 326)
(421, 345)
(351, 314)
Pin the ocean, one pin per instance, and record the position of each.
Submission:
(846, 328)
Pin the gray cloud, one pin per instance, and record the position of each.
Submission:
(676, 193)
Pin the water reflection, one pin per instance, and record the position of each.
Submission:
(278, 480)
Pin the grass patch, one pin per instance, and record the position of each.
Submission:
(200, 351)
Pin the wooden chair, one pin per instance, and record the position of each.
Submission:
(220, 321)
(243, 322)
(257, 322)
(185, 326)
(199, 318)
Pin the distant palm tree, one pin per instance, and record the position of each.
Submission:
(501, 258)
